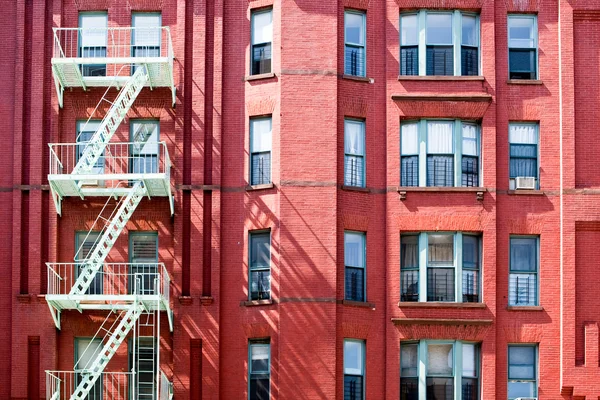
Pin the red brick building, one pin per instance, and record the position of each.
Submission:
(300, 199)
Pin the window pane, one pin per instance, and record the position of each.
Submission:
(521, 389)
(522, 166)
(409, 359)
(94, 30)
(470, 389)
(523, 133)
(355, 33)
(259, 358)
(440, 389)
(522, 64)
(354, 60)
(410, 286)
(409, 171)
(439, 28)
(469, 360)
(439, 359)
(355, 284)
(354, 137)
(409, 30)
(261, 58)
(354, 170)
(410, 138)
(440, 250)
(521, 360)
(144, 134)
(469, 140)
(523, 254)
(522, 289)
(409, 251)
(260, 129)
(470, 171)
(262, 27)
(469, 30)
(440, 137)
(470, 252)
(260, 250)
(521, 32)
(260, 169)
(353, 357)
(440, 171)
(259, 387)
(409, 60)
(353, 387)
(354, 243)
(469, 61)
(260, 285)
(409, 389)
(440, 60)
(147, 31)
(470, 286)
(440, 284)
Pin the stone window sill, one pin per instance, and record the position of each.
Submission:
(250, 78)
(251, 188)
(355, 189)
(439, 78)
(403, 190)
(524, 82)
(253, 303)
(410, 304)
(357, 78)
(526, 192)
(353, 303)
(525, 308)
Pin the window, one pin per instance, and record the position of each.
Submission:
(355, 40)
(93, 41)
(439, 43)
(262, 38)
(146, 35)
(523, 139)
(85, 132)
(443, 364)
(354, 153)
(260, 151)
(143, 256)
(260, 265)
(522, 371)
(259, 370)
(522, 46)
(440, 153)
(354, 369)
(440, 267)
(86, 351)
(522, 287)
(355, 270)
(143, 359)
(85, 243)
(144, 147)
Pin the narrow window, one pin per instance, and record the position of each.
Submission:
(470, 269)
(142, 357)
(85, 243)
(440, 371)
(354, 369)
(523, 278)
(143, 256)
(85, 132)
(144, 147)
(469, 50)
(146, 35)
(470, 156)
(355, 39)
(259, 370)
(86, 352)
(470, 377)
(354, 149)
(260, 265)
(354, 245)
(409, 371)
(440, 153)
(409, 45)
(260, 151)
(523, 139)
(522, 46)
(410, 154)
(262, 36)
(93, 39)
(440, 50)
(409, 267)
(440, 267)
(522, 371)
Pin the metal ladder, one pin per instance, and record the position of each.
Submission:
(112, 340)
(111, 121)
(92, 264)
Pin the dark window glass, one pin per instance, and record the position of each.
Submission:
(440, 389)
(522, 63)
(355, 284)
(440, 60)
(409, 60)
(470, 272)
(260, 266)
(469, 61)
(470, 171)
(410, 171)
(261, 168)
(440, 170)
(354, 170)
(353, 387)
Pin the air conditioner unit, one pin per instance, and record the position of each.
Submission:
(524, 182)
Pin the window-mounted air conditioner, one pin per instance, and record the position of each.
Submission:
(525, 182)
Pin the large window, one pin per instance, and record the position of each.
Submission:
(86, 352)
(355, 38)
(143, 255)
(146, 35)
(440, 153)
(85, 243)
(260, 150)
(93, 40)
(260, 265)
(522, 46)
(354, 153)
(259, 370)
(440, 370)
(145, 148)
(354, 369)
(439, 43)
(440, 267)
(522, 371)
(143, 358)
(355, 266)
(524, 264)
(523, 139)
(262, 38)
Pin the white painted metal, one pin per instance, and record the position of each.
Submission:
(525, 182)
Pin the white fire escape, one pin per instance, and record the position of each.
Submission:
(134, 295)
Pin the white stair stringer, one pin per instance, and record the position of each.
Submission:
(112, 342)
(93, 263)
(111, 121)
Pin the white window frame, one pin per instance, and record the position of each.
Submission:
(456, 39)
(363, 236)
(423, 242)
(511, 180)
(363, 14)
(535, 38)
(363, 346)
(362, 124)
(250, 146)
(516, 272)
(253, 13)
(536, 365)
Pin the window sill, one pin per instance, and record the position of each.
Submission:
(526, 192)
(524, 82)
(254, 303)
(352, 303)
(250, 78)
(402, 190)
(357, 78)
(439, 78)
(410, 304)
(251, 188)
(525, 308)
(355, 189)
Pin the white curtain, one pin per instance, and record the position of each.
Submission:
(439, 137)
(409, 359)
(440, 360)
(146, 32)
(93, 32)
(261, 135)
(468, 360)
(410, 138)
(409, 31)
(440, 249)
(469, 140)
(523, 133)
(354, 138)
(262, 27)
(410, 252)
(354, 249)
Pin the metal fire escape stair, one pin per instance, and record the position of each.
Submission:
(112, 342)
